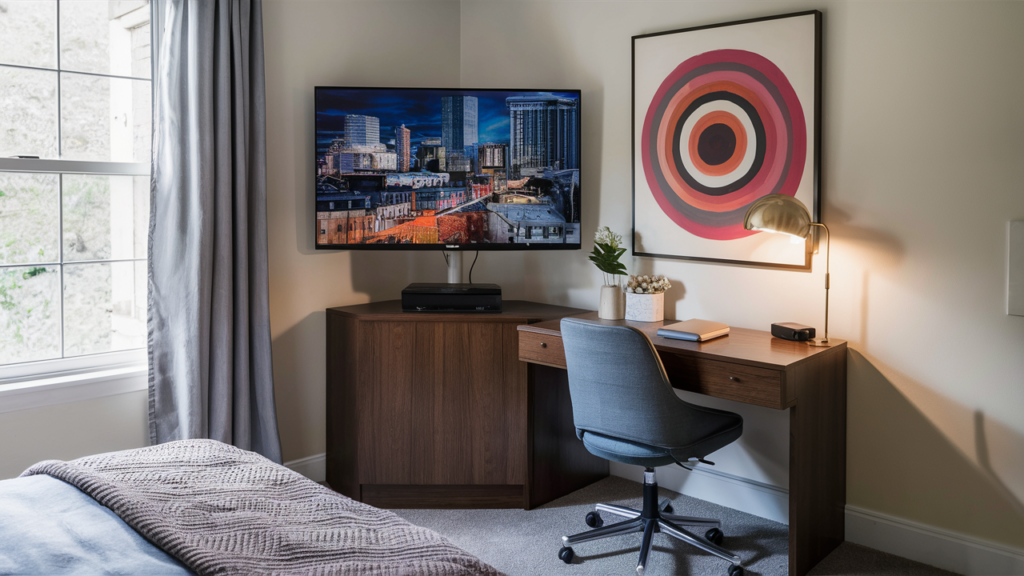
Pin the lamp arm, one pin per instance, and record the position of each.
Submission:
(828, 250)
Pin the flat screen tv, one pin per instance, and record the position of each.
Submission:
(422, 169)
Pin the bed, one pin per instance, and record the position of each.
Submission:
(204, 507)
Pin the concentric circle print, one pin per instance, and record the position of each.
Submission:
(724, 129)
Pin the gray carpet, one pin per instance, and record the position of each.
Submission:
(520, 542)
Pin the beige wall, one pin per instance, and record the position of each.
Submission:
(922, 170)
(72, 430)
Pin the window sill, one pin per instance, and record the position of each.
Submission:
(50, 389)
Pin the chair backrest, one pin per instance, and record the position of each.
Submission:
(619, 387)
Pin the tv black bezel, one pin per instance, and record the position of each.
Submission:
(439, 246)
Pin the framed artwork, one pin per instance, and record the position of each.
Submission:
(722, 116)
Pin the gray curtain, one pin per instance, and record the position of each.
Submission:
(210, 373)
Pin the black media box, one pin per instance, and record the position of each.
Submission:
(451, 298)
(792, 331)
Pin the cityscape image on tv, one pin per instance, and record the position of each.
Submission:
(447, 167)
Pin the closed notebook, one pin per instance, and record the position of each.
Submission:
(694, 330)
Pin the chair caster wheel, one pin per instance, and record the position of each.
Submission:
(594, 520)
(735, 570)
(715, 536)
(566, 555)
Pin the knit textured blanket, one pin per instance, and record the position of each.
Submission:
(222, 510)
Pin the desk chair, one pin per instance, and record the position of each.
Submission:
(625, 410)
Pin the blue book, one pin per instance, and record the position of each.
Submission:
(694, 330)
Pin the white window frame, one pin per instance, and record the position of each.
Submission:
(33, 384)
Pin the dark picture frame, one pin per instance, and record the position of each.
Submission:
(722, 115)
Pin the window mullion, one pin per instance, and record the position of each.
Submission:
(60, 139)
(60, 191)
(60, 232)
(96, 74)
(98, 167)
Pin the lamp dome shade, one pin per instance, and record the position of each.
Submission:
(779, 213)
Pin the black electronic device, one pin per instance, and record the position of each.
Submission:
(451, 298)
(792, 331)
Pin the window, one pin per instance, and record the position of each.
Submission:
(75, 117)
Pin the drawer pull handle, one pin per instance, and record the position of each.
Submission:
(734, 379)
(543, 345)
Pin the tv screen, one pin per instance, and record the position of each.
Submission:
(414, 168)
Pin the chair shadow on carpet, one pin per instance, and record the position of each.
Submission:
(754, 539)
(744, 544)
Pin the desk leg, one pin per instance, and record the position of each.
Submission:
(558, 463)
(817, 461)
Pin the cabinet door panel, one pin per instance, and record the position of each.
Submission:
(470, 449)
(386, 406)
(427, 405)
(514, 406)
(441, 403)
(488, 435)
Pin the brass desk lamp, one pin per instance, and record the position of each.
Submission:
(783, 214)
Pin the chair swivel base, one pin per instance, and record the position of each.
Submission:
(653, 518)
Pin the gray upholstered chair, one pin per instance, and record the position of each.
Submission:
(625, 409)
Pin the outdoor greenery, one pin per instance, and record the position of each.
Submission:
(29, 313)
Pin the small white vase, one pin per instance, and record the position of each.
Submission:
(645, 307)
(613, 304)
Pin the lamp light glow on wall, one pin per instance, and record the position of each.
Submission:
(781, 214)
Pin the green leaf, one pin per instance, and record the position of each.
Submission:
(34, 271)
(606, 258)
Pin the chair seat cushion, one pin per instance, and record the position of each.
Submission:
(626, 452)
(722, 429)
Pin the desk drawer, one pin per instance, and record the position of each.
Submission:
(541, 349)
(759, 386)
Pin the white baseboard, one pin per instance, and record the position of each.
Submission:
(738, 493)
(313, 467)
(930, 545)
(912, 540)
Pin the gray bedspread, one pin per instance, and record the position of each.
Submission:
(221, 510)
(50, 527)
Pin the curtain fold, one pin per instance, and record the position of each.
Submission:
(210, 370)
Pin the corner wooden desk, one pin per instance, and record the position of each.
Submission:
(753, 367)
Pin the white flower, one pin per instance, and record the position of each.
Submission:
(604, 235)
